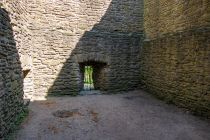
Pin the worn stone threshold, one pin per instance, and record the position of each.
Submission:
(90, 92)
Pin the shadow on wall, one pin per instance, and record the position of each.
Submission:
(112, 47)
(11, 79)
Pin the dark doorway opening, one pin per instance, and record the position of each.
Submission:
(88, 78)
(93, 76)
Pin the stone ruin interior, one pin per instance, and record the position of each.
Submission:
(160, 46)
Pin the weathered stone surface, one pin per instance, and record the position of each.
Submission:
(20, 22)
(11, 79)
(168, 16)
(66, 33)
(55, 38)
(175, 58)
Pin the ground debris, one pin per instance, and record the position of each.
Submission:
(67, 113)
(94, 116)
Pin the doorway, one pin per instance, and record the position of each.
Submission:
(93, 76)
(88, 78)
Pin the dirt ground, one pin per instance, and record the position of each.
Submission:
(129, 116)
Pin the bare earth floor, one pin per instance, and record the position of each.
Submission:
(129, 116)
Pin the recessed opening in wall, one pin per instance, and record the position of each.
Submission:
(25, 73)
(88, 78)
(93, 76)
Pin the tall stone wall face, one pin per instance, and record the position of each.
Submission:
(175, 58)
(168, 16)
(65, 32)
(11, 78)
(20, 22)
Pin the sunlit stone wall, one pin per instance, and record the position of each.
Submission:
(65, 29)
(14, 43)
(21, 21)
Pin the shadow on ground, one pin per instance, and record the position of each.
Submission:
(129, 116)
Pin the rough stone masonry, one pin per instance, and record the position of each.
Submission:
(163, 46)
(12, 36)
(54, 39)
(68, 33)
(175, 58)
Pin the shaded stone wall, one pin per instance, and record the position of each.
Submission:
(168, 16)
(63, 30)
(175, 57)
(11, 78)
(20, 22)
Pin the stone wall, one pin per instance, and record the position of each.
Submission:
(11, 78)
(63, 30)
(175, 57)
(21, 21)
(44, 42)
(168, 16)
